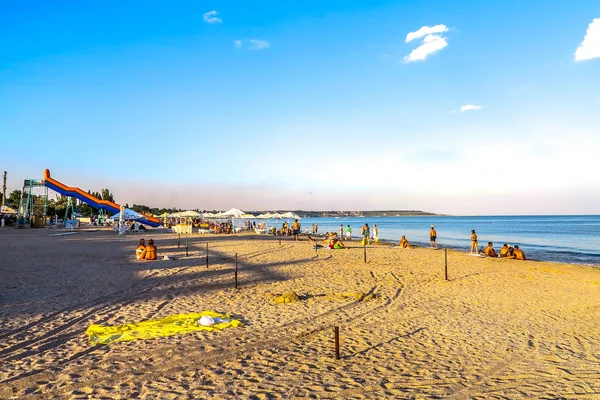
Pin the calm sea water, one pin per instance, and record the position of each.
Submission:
(569, 239)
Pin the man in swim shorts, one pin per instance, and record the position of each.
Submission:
(296, 229)
(348, 233)
(432, 237)
(518, 254)
(489, 250)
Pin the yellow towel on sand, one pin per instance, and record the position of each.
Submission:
(167, 326)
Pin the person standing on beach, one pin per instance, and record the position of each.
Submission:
(312, 229)
(341, 231)
(349, 233)
(316, 229)
(474, 244)
(366, 233)
(375, 234)
(296, 229)
(432, 237)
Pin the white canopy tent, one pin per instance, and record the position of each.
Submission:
(127, 214)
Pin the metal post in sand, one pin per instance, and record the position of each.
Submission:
(186, 245)
(336, 332)
(236, 285)
(446, 262)
(178, 239)
(280, 240)
(206, 254)
(365, 251)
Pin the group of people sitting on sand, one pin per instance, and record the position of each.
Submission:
(332, 240)
(506, 251)
(146, 252)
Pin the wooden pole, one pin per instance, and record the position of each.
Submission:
(236, 285)
(178, 239)
(280, 240)
(186, 245)
(365, 251)
(206, 254)
(336, 332)
(446, 262)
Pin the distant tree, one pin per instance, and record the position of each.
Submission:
(107, 195)
(14, 199)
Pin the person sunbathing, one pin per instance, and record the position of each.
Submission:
(404, 243)
(335, 243)
(504, 250)
(151, 250)
(140, 251)
(489, 250)
(518, 254)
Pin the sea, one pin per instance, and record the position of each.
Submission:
(573, 239)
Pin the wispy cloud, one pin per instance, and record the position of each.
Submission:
(590, 47)
(252, 44)
(470, 107)
(431, 44)
(211, 18)
(426, 30)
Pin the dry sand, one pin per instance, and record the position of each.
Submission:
(497, 329)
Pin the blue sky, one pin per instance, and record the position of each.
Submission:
(308, 105)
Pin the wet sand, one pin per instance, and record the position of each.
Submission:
(496, 329)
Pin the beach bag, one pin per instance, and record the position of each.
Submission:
(363, 241)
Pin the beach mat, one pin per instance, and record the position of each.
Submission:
(168, 326)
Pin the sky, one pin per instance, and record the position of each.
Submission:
(465, 108)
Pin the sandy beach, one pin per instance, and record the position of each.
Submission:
(497, 328)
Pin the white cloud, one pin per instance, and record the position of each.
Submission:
(256, 44)
(431, 44)
(590, 47)
(210, 17)
(470, 107)
(426, 30)
(252, 44)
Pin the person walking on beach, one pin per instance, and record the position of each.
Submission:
(432, 237)
(474, 243)
(375, 234)
(348, 233)
(366, 233)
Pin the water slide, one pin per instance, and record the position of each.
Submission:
(91, 200)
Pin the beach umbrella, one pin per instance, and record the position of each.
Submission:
(190, 214)
(209, 215)
(233, 213)
(247, 216)
(264, 216)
